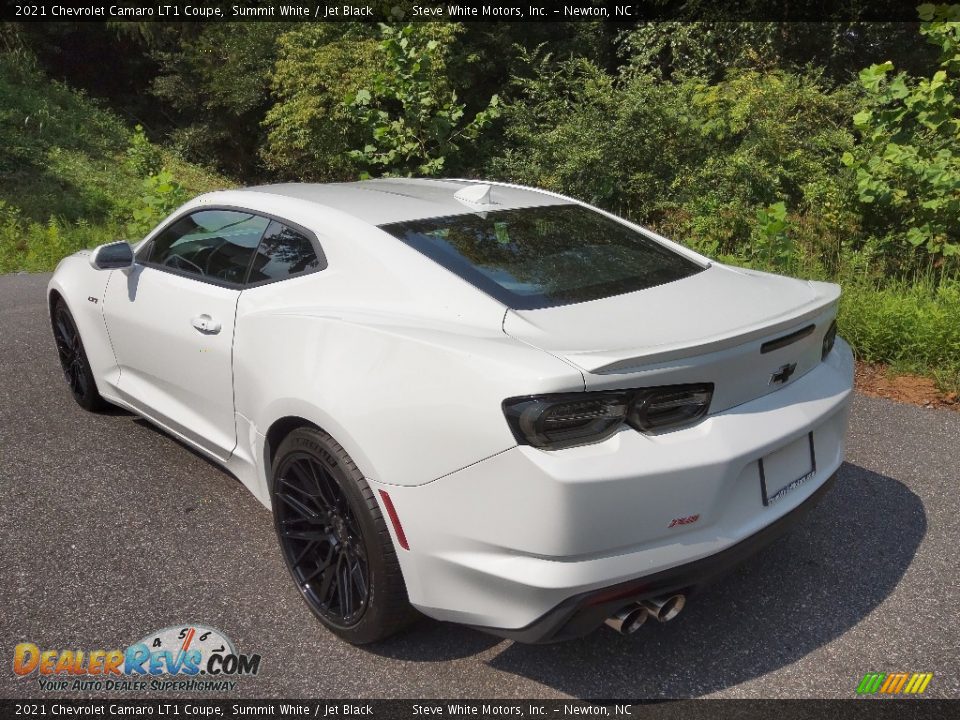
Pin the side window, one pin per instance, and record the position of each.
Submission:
(215, 244)
(283, 252)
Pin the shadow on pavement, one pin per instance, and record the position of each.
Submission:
(803, 591)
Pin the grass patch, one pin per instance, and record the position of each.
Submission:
(32, 246)
(912, 326)
(67, 177)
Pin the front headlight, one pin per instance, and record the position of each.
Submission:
(556, 421)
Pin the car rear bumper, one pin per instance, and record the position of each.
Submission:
(579, 615)
(516, 542)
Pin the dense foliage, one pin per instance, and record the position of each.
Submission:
(73, 175)
(709, 164)
(826, 150)
(908, 165)
(410, 111)
(310, 128)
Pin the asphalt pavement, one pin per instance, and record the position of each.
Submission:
(110, 529)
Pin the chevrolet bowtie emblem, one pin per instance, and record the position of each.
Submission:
(783, 374)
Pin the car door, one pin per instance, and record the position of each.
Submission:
(171, 323)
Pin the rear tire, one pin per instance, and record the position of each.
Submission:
(335, 541)
(73, 359)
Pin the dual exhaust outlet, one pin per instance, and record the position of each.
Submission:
(629, 619)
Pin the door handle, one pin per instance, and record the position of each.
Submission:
(206, 324)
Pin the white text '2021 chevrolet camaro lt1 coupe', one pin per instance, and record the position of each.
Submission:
(497, 405)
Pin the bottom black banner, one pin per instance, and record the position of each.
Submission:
(560, 709)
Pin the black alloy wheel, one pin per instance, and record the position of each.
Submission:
(73, 359)
(334, 539)
(322, 540)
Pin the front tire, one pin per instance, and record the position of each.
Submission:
(73, 359)
(335, 541)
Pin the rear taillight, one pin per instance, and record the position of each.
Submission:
(552, 422)
(559, 421)
(664, 408)
(828, 340)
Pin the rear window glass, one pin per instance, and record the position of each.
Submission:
(545, 256)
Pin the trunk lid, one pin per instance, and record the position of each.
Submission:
(720, 325)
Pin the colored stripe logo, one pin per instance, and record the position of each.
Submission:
(894, 683)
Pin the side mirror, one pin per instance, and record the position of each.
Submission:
(112, 256)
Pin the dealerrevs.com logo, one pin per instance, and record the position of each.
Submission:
(192, 658)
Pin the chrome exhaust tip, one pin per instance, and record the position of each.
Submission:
(628, 620)
(665, 608)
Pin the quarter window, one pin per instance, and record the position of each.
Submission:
(214, 244)
(283, 252)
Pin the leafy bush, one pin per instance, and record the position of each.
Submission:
(410, 110)
(550, 131)
(772, 246)
(908, 167)
(143, 157)
(310, 130)
(64, 155)
(699, 162)
(710, 48)
(704, 49)
(761, 140)
(161, 195)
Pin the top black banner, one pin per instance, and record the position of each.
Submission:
(464, 11)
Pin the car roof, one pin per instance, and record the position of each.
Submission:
(391, 200)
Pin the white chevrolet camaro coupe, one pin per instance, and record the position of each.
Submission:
(497, 405)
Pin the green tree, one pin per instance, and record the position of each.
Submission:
(310, 129)
(214, 87)
(708, 164)
(908, 165)
(414, 120)
(552, 117)
(710, 48)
